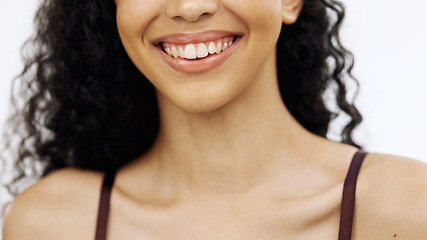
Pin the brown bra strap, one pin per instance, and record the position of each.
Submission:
(104, 205)
(349, 195)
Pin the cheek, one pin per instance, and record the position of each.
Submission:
(257, 14)
(263, 19)
(133, 17)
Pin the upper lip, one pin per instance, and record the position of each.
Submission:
(188, 38)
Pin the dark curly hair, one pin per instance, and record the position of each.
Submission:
(81, 102)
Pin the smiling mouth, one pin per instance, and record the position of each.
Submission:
(197, 53)
(198, 50)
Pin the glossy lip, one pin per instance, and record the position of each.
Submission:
(187, 38)
(199, 65)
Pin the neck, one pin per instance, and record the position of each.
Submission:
(229, 150)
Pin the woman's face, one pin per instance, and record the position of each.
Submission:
(201, 54)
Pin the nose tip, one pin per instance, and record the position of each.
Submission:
(191, 10)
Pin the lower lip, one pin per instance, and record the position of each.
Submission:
(199, 65)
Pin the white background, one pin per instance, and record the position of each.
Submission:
(387, 37)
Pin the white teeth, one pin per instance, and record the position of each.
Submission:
(190, 52)
(181, 52)
(175, 53)
(225, 46)
(194, 51)
(219, 48)
(212, 48)
(202, 50)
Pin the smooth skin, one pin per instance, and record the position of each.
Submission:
(230, 162)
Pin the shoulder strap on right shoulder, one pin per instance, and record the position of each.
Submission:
(104, 205)
(349, 195)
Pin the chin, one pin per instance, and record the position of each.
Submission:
(201, 107)
(200, 103)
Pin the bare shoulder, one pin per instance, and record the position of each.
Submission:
(63, 201)
(391, 198)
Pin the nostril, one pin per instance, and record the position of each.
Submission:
(191, 10)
